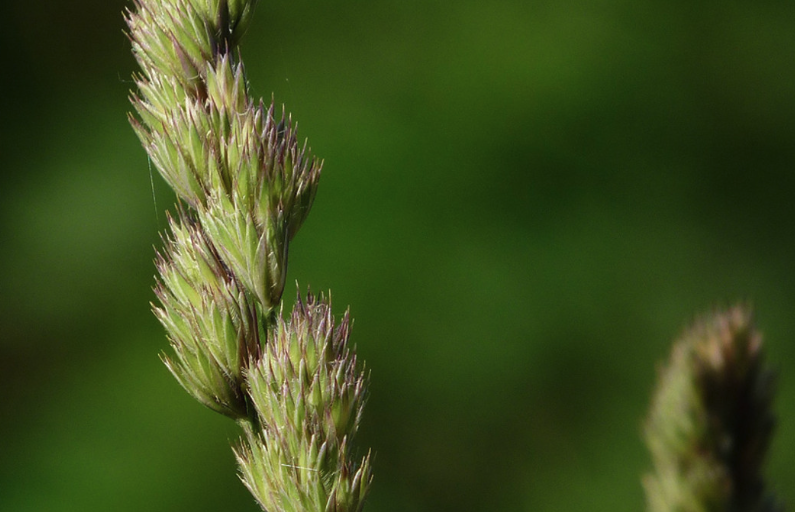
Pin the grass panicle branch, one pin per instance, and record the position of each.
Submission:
(245, 187)
(309, 384)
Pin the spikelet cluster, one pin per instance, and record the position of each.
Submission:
(245, 187)
(211, 324)
(242, 172)
(309, 394)
(711, 422)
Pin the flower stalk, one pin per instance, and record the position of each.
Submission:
(245, 187)
(711, 422)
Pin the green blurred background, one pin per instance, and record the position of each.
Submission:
(523, 202)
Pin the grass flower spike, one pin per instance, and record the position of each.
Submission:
(309, 390)
(246, 186)
(711, 422)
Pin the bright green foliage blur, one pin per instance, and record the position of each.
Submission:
(523, 203)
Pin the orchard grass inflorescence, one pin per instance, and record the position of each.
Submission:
(245, 187)
(710, 422)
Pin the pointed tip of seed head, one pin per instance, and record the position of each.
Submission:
(711, 410)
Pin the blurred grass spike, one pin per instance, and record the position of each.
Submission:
(245, 187)
(711, 422)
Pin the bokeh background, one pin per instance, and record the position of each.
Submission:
(523, 202)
